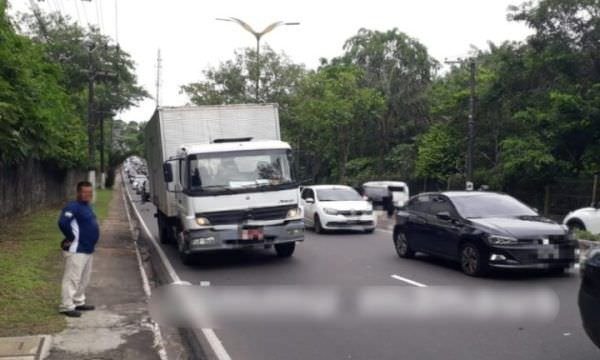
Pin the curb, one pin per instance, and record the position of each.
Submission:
(202, 343)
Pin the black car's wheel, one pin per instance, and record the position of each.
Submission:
(285, 250)
(472, 260)
(318, 227)
(401, 245)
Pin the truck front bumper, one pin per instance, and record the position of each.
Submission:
(229, 237)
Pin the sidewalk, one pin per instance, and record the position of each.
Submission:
(119, 328)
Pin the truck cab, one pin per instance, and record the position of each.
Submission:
(231, 194)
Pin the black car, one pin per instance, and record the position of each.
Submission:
(589, 297)
(482, 230)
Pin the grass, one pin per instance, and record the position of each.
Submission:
(586, 235)
(31, 268)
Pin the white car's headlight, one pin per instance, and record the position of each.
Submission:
(293, 213)
(501, 240)
(368, 212)
(330, 211)
(202, 221)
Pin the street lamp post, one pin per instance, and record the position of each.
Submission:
(258, 36)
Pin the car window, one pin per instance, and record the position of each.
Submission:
(420, 203)
(307, 194)
(440, 204)
(491, 205)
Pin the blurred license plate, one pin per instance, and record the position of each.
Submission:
(253, 234)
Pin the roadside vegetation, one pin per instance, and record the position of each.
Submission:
(586, 235)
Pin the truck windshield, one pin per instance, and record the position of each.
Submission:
(239, 170)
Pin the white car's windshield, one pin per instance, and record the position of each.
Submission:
(338, 195)
(239, 170)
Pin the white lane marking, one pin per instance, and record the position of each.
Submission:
(408, 281)
(212, 338)
(160, 251)
(216, 344)
(158, 339)
(384, 231)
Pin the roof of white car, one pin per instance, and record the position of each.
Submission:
(328, 187)
(385, 183)
(233, 146)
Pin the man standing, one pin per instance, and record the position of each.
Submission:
(78, 223)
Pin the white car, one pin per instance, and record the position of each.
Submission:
(377, 190)
(336, 207)
(584, 219)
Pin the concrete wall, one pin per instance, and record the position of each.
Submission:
(34, 185)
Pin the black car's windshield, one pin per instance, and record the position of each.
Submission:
(490, 205)
(239, 170)
(338, 195)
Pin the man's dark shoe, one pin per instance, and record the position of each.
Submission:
(71, 313)
(85, 307)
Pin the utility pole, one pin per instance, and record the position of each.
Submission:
(93, 75)
(158, 68)
(471, 119)
(91, 126)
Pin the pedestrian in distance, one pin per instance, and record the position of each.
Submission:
(78, 224)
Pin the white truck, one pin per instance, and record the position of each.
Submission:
(221, 178)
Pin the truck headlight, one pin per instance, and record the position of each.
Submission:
(330, 211)
(202, 221)
(501, 240)
(293, 213)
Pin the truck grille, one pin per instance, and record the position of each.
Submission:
(239, 216)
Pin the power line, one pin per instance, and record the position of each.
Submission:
(158, 68)
(116, 22)
(99, 16)
(87, 20)
(77, 11)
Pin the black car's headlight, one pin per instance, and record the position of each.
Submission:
(501, 240)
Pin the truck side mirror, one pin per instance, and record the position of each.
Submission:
(168, 172)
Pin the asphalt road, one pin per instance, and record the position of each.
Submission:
(354, 261)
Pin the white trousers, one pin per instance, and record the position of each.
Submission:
(78, 268)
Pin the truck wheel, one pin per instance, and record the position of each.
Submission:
(163, 229)
(186, 258)
(285, 250)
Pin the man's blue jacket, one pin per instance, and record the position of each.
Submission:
(78, 223)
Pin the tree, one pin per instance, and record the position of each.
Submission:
(438, 155)
(327, 115)
(34, 108)
(400, 68)
(67, 45)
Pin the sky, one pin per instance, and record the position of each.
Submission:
(191, 39)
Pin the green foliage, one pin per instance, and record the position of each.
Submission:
(400, 68)
(438, 154)
(329, 110)
(586, 235)
(34, 108)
